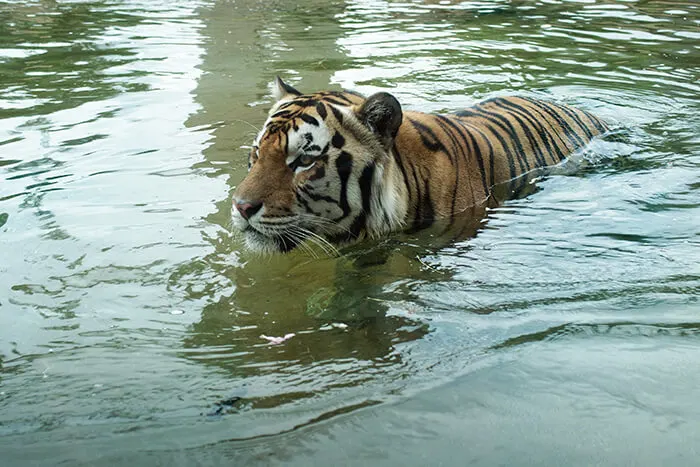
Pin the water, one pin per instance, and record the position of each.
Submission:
(565, 332)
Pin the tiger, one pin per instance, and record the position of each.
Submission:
(335, 167)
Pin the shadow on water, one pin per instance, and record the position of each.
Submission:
(337, 311)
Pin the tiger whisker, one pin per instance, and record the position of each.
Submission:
(323, 223)
(300, 239)
(321, 242)
(301, 243)
(296, 235)
(304, 235)
(281, 237)
(247, 123)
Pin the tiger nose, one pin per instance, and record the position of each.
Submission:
(248, 208)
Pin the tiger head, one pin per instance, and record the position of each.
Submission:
(321, 170)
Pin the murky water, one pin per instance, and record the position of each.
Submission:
(565, 332)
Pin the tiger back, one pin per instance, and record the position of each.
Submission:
(334, 167)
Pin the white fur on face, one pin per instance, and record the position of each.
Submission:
(308, 139)
(259, 136)
(237, 219)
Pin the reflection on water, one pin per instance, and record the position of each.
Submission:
(130, 315)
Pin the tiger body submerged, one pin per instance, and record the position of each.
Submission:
(336, 167)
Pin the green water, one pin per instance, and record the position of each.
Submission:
(566, 332)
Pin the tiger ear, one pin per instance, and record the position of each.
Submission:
(281, 90)
(382, 114)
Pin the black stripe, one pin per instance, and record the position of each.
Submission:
(492, 171)
(319, 173)
(397, 158)
(337, 114)
(336, 102)
(552, 130)
(569, 132)
(477, 151)
(426, 135)
(365, 182)
(305, 204)
(309, 119)
(425, 214)
(526, 127)
(321, 109)
(357, 226)
(338, 95)
(419, 196)
(316, 197)
(338, 141)
(572, 114)
(309, 102)
(506, 148)
(281, 114)
(567, 127)
(540, 129)
(505, 125)
(458, 148)
(596, 122)
(344, 166)
(285, 105)
(428, 212)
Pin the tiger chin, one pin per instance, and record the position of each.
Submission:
(332, 168)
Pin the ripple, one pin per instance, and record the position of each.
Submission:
(621, 330)
(119, 156)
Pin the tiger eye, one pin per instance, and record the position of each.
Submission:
(305, 160)
(252, 157)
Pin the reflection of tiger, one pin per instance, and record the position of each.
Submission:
(336, 167)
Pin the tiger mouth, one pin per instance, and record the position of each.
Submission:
(280, 242)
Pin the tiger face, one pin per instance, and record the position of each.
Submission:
(320, 171)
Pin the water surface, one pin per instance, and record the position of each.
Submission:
(564, 332)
